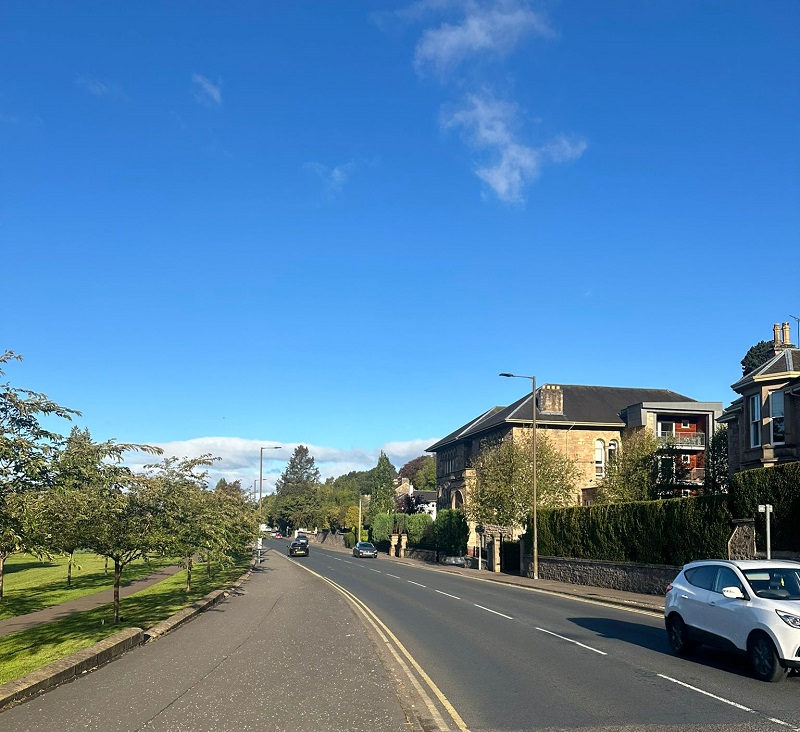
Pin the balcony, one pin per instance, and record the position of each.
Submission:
(691, 439)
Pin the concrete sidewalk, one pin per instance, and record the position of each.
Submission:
(87, 602)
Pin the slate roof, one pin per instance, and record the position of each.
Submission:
(599, 405)
(785, 362)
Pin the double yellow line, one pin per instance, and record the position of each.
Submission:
(404, 659)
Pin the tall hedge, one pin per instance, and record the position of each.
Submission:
(451, 531)
(779, 486)
(673, 531)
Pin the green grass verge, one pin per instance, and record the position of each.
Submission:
(30, 584)
(28, 650)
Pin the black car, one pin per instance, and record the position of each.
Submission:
(298, 549)
(365, 549)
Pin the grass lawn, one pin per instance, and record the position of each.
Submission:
(28, 650)
(30, 584)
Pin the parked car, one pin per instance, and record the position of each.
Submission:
(298, 549)
(751, 607)
(365, 549)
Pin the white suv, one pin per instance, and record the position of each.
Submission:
(749, 606)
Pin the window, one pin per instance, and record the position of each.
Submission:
(666, 429)
(685, 424)
(612, 451)
(702, 576)
(727, 578)
(599, 458)
(686, 459)
(776, 413)
(755, 420)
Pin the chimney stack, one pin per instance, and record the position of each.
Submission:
(551, 399)
(787, 335)
(776, 334)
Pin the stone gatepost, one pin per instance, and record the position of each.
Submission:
(403, 544)
(393, 546)
(496, 546)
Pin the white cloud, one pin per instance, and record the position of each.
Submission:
(489, 124)
(333, 179)
(95, 87)
(496, 29)
(206, 91)
(240, 458)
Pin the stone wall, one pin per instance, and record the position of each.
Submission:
(646, 579)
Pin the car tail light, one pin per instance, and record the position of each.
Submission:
(669, 587)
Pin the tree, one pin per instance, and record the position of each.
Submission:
(409, 470)
(300, 475)
(383, 477)
(451, 531)
(716, 478)
(756, 356)
(425, 478)
(502, 492)
(27, 450)
(81, 467)
(633, 474)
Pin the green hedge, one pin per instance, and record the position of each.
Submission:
(779, 486)
(673, 531)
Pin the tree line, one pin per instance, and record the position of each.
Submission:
(61, 494)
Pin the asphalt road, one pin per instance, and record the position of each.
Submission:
(513, 659)
(412, 648)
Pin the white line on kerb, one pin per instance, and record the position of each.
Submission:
(492, 611)
(570, 640)
(415, 583)
(448, 594)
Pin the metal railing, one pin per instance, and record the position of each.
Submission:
(692, 439)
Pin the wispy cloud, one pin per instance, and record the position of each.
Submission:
(95, 87)
(333, 179)
(240, 458)
(483, 29)
(206, 91)
(480, 35)
(490, 125)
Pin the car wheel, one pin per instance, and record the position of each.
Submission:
(764, 657)
(678, 635)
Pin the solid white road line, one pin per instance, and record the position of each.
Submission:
(570, 640)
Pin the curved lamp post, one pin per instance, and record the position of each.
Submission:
(535, 537)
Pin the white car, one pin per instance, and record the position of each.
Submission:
(748, 606)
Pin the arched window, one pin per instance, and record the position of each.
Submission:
(599, 458)
(612, 451)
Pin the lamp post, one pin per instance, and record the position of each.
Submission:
(535, 534)
(261, 472)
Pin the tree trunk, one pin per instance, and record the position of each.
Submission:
(117, 576)
(69, 569)
(2, 566)
(105, 567)
(188, 575)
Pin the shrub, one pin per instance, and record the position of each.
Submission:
(420, 528)
(451, 532)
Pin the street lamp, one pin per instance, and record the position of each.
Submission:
(535, 537)
(261, 471)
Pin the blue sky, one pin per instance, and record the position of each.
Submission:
(227, 225)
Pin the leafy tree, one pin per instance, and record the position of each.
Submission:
(82, 466)
(383, 477)
(633, 475)
(27, 450)
(409, 470)
(420, 528)
(451, 531)
(502, 492)
(716, 476)
(351, 517)
(756, 356)
(425, 478)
